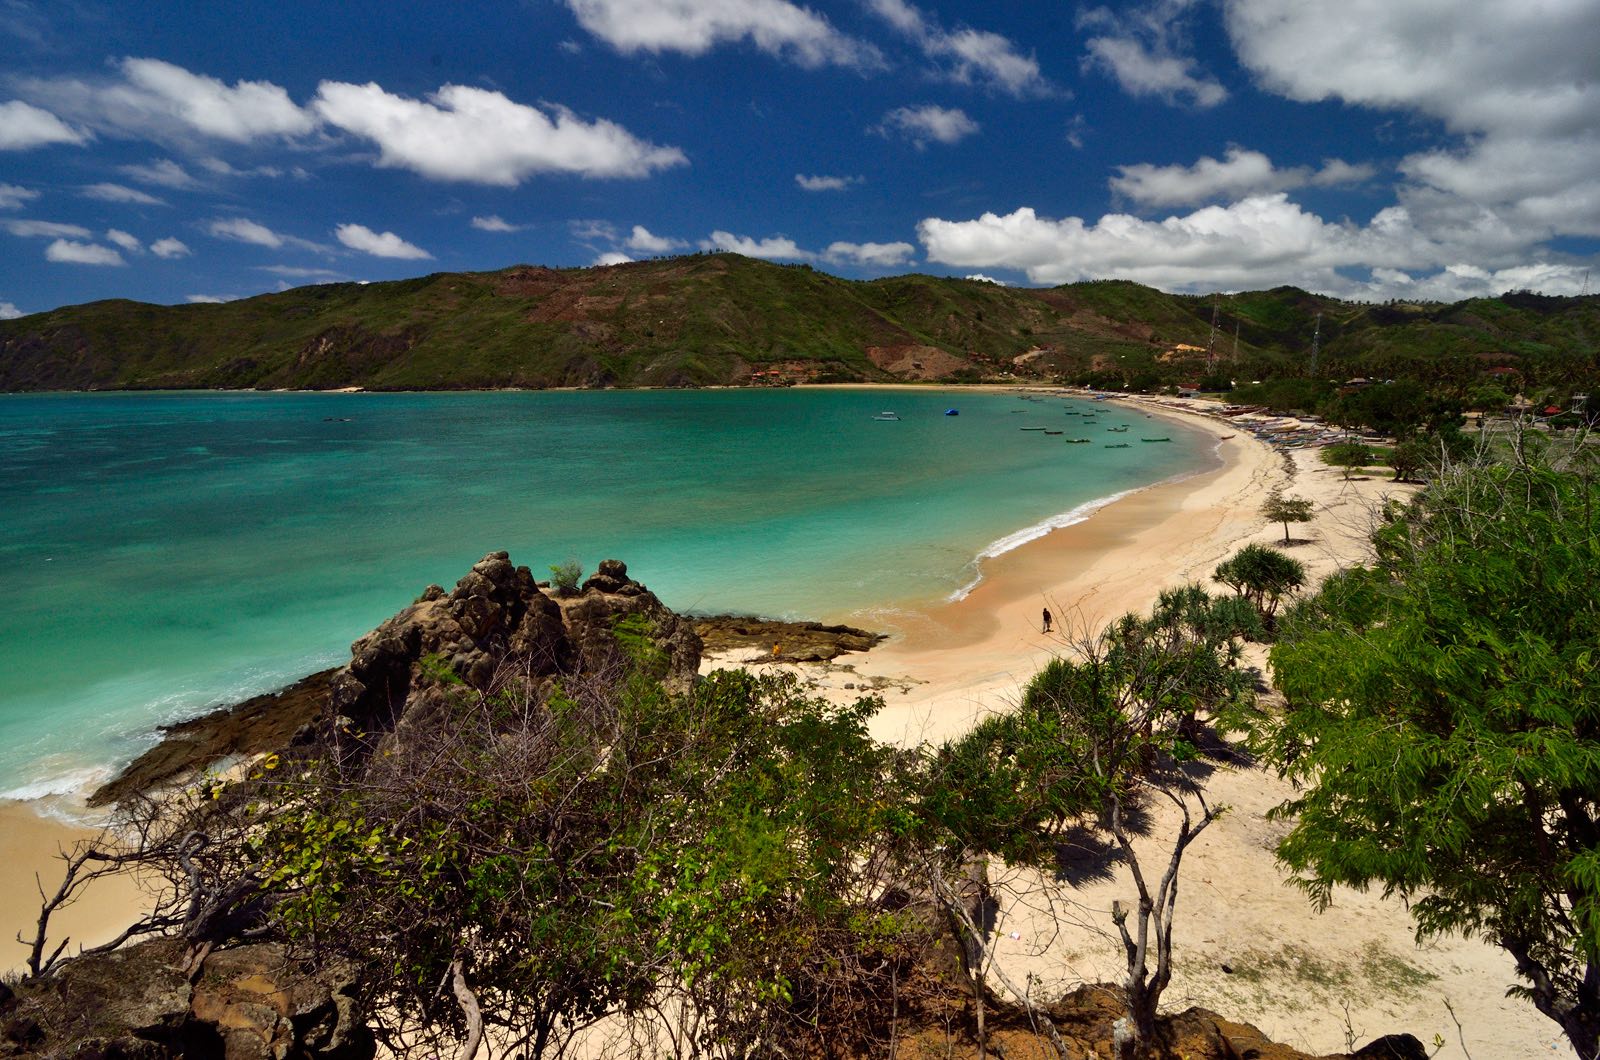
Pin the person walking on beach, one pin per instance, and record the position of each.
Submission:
(1047, 620)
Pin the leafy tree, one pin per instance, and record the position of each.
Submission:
(1278, 508)
(1410, 456)
(1347, 455)
(1095, 734)
(1444, 726)
(1263, 576)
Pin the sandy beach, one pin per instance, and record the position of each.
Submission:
(1249, 944)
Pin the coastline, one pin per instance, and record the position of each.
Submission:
(954, 662)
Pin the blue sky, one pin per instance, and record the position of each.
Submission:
(1370, 149)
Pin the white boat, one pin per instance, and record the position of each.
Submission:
(886, 416)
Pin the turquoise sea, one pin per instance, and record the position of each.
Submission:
(164, 553)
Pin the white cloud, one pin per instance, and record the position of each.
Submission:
(822, 183)
(126, 240)
(158, 100)
(877, 255)
(612, 257)
(981, 278)
(1143, 47)
(1514, 83)
(378, 244)
(224, 169)
(773, 248)
(300, 272)
(694, 27)
(644, 241)
(12, 196)
(9, 311)
(243, 230)
(494, 223)
(928, 123)
(23, 126)
(170, 247)
(474, 135)
(160, 171)
(1242, 173)
(68, 252)
(45, 229)
(1261, 241)
(120, 193)
(973, 56)
(210, 299)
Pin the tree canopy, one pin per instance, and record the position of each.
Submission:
(1444, 719)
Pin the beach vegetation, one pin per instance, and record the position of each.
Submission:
(1263, 576)
(1279, 508)
(1443, 725)
(1347, 456)
(565, 576)
(1101, 733)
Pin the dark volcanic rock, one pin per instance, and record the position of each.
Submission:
(256, 726)
(249, 1003)
(798, 641)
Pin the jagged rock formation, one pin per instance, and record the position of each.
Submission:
(496, 618)
(142, 1003)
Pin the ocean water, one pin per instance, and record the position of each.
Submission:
(167, 553)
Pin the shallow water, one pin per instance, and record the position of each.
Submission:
(169, 552)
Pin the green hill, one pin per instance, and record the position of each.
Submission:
(721, 319)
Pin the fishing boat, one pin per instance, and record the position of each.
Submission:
(886, 416)
(1119, 445)
(952, 412)
(1117, 430)
(1077, 441)
(1155, 439)
(1054, 432)
(1225, 437)
(1030, 428)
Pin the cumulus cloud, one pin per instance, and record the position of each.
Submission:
(378, 244)
(45, 229)
(126, 240)
(1144, 48)
(479, 136)
(981, 278)
(1240, 174)
(243, 230)
(158, 100)
(773, 248)
(210, 299)
(694, 27)
(23, 126)
(928, 124)
(876, 255)
(170, 247)
(300, 272)
(1257, 242)
(69, 252)
(225, 169)
(120, 193)
(612, 257)
(9, 311)
(644, 241)
(969, 56)
(822, 183)
(12, 196)
(160, 171)
(494, 223)
(1514, 83)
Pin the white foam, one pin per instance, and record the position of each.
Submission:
(1033, 533)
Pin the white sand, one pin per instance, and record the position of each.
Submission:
(1294, 971)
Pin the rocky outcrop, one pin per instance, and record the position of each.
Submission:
(496, 621)
(499, 621)
(796, 641)
(143, 1003)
